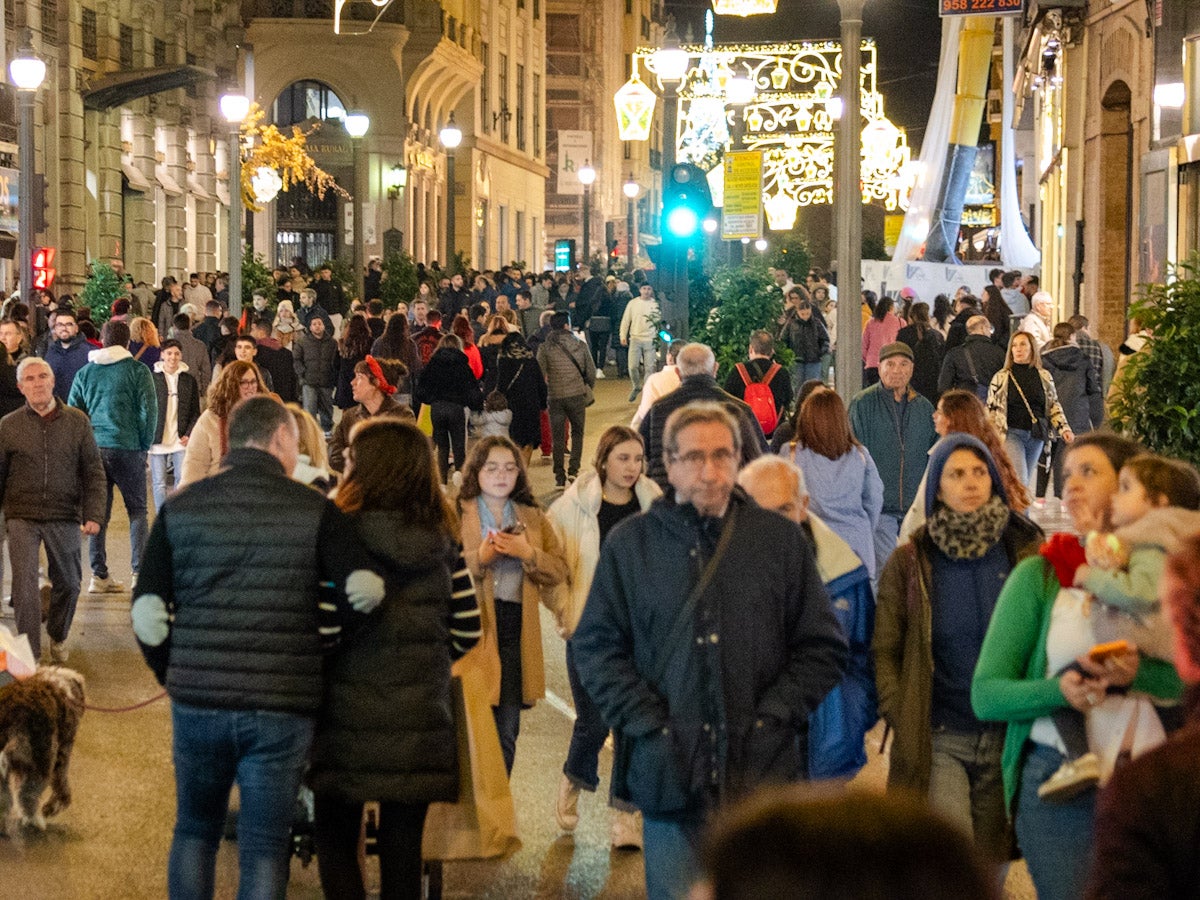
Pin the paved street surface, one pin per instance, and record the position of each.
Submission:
(113, 841)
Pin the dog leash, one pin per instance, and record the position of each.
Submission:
(125, 709)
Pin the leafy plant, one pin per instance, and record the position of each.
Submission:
(459, 263)
(100, 290)
(789, 251)
(745, 302)
(1157, 397)
(399, 284)
(256, 277)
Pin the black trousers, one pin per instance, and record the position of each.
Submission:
(337, 828)
(449, 429)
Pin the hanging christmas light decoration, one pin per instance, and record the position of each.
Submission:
(635, 109)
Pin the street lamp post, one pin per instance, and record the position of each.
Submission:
(27, 72)
(631, 189)
(670, 65)
(848, 375)
(234, 108)
(393, 240)
(356, 124)
(587, 177)
(450, 136)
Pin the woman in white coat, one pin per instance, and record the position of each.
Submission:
(583, 516)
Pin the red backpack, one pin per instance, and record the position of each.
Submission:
(760, 398)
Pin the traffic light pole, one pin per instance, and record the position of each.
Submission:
(673, 257)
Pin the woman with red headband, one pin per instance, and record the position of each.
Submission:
(374, 387)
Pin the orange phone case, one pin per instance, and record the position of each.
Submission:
(1101, 652)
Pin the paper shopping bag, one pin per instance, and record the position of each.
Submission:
(16, 656)
(483, 823)
(425, 419)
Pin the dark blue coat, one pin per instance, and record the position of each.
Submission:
(764, 650)
(66, 362)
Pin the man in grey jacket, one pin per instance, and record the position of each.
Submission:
(314, 354)
(570, 375)
(52, 484)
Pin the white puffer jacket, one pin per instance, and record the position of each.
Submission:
(574, 516)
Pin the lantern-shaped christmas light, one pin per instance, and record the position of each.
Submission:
(635, 110)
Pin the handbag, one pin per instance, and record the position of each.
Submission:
(599, 324)
(1039, 430)
(588, 396)
(678, 637)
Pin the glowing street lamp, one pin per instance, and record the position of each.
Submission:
(27, 72)
(234, 108)
(631, 189)
(450, 136)
(587, 177)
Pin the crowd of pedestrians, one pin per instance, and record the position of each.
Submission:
(746, 578)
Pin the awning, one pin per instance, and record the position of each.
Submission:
(196, 190)
(169, 184)
(137, 181)
(124, 87)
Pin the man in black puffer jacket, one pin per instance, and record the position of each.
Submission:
(231, 623)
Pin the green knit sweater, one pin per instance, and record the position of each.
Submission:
(1010, 683)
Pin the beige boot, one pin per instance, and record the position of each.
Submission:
(625, 832)
(566, 806)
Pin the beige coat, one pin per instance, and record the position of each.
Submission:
(203, 455)
(547, 569)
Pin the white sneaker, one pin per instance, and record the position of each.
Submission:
(566, 805)
(105, 586)
(625, 832)
(59, 653)
(599, 373)
(1072, 778)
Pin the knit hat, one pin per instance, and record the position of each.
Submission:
(895, 348)
(941, 451)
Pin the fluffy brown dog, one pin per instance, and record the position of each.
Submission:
(38, 721)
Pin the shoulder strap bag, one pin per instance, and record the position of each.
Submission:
(678, 639)
(1037, 430)
(588, 395)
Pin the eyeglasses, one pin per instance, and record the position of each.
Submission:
(248, 382)
(695, 459)
(498, 468)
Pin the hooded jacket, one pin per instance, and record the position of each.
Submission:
(386, 719)
(903, 643)
(117, 393)
(1077, 385)
(187, 397)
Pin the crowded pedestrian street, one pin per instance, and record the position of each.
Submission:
(112, 844)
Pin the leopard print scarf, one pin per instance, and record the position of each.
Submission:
(968, 535)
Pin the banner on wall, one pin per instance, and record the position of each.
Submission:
(574, 151)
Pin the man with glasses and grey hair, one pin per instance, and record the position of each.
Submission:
(706, 641)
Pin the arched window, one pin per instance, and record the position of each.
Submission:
(304, 100)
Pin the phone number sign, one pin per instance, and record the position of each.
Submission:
(981, 7)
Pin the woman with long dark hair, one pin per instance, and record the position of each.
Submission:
(448, 386)
(461, 326)
(396, 343)
(385, 732)
(998, 312)
(519, 377)
(928, 347)
(352, 349)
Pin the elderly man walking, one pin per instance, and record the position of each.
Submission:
(706, 641)
(47, 436)
(235, 630)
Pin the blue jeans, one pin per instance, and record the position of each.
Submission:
(1055, 838)
(318, 403)
(265, 754)
(1024, 451)
(643, 362)
(802, 372)
(127, 470)
(669, 852)
(587, 736)
(159, 463)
